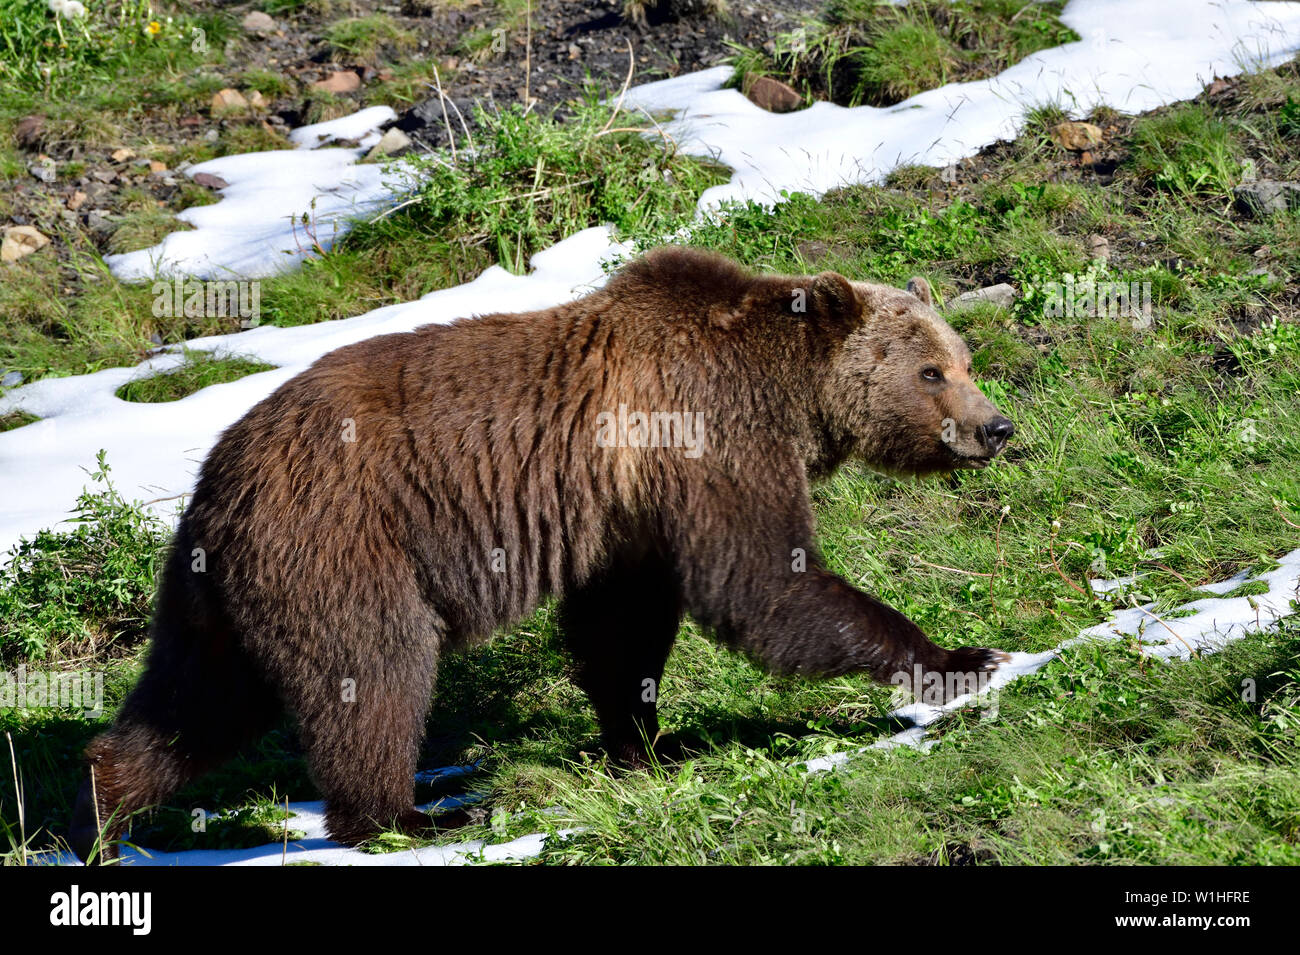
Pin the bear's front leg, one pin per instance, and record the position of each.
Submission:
(750, 572)
(820, 625)
(619, 628)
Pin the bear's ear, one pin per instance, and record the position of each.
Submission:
(832, 299)
(921, 289)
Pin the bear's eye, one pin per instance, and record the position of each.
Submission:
(932, 374)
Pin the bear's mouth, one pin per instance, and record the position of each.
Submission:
(971, 462)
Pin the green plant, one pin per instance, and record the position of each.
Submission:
(867, 51)
(85, 589)
(530, 181)
(46, 53)
(199, 370)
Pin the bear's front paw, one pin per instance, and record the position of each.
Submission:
(967, 670)
(978, 659)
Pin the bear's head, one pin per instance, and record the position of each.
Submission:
(900, 395)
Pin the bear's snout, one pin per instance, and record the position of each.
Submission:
(994, 434)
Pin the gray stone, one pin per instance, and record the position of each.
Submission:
(12, 380)
(209, 181)
(393, 142)
(1000, 295)
(97, 220)
(258, 22)
(1266, 196)
(44, 171)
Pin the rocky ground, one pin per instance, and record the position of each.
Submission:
(118, 192)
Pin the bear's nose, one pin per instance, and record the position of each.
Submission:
(995, 433)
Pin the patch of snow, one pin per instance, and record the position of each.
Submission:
(155, 450)
(315, 846)
(277, 207)
(1101, 586)
(363, 126)
(1133, 57)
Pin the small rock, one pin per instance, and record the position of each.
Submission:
(345, 81)
(773, 95)
(44, 170)
(1265, 273)
(1099, 248)
(123, 154)
(1076, 137)
(156, 166)
(104, 175)
(1000, 295)
(1262, 252)
(211, 136)
(390, 144)
(97, 220)
(156, 338)
(1085, 158)
(228, 101)
(210, 181)
(12, 380)
(77, 201)
(1266, 196)
(21, 240)
(29, 131)
(256, 100)
(1218, 86)
(258, 22)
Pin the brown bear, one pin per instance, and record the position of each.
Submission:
(642, 452)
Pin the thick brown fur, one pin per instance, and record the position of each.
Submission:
(409, 495)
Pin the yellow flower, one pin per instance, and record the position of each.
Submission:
(154, 28)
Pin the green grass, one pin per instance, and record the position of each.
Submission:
(1102, 758)
(532, 181)
(16, 419)
(55, 56)
(867, 51)
(83, 591)
(363, 38)
(199, 370)
(1189, 152)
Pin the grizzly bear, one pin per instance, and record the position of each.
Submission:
(640, 453)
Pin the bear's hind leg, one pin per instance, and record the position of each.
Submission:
(620, 628)
(362, 724)
(191, 711)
